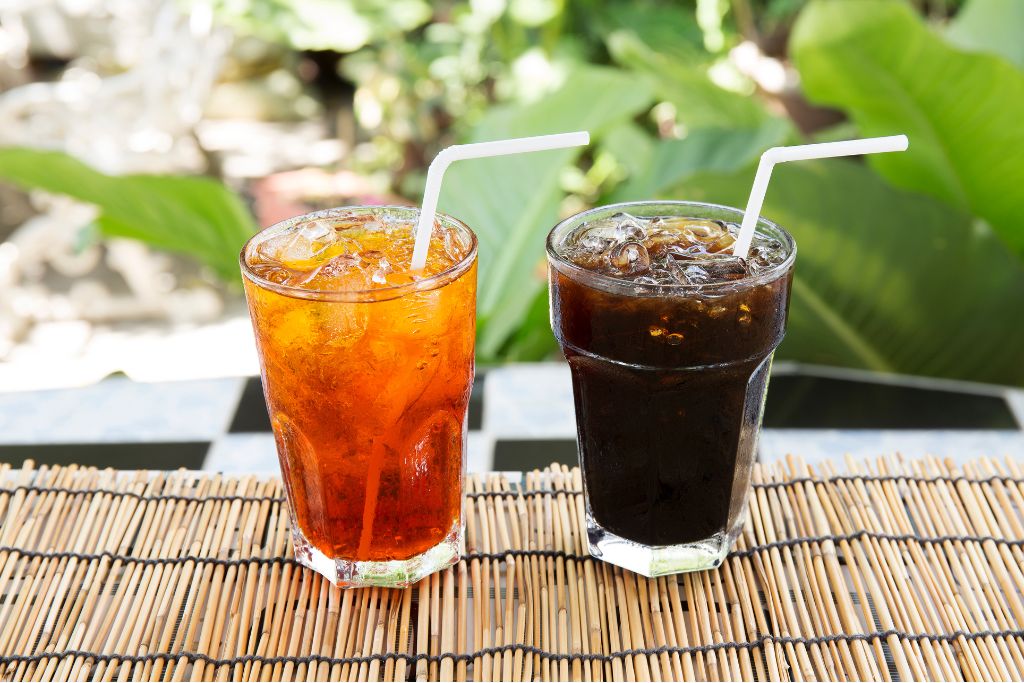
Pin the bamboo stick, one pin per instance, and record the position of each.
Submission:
(167, 568)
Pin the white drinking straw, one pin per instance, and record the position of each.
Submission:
(477, 150)
(824, 150)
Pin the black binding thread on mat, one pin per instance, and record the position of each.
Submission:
(508, 554)
(526, 493)
(97, 657)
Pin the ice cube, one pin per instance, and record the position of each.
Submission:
(722, 243)
(316, 230)
(592, 242)
(685, 253)
(661, 243)
(380, 274)
(602, 227)
(730, 268)
(695, 275)
(284, 275)
(628, 228)
(665, 274)
(273, 273)
(629, 258)
(767, 253)
(298, 247)
(713, 236)
(345, 272)
(593, 238)
(453, 246)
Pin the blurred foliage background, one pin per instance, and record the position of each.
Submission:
(909, 263)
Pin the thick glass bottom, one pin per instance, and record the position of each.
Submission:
(651, 561)
(385, 574)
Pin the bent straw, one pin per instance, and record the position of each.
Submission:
(477, 150)
(824, 150)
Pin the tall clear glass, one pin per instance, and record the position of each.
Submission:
(367, 389)
(669, 384)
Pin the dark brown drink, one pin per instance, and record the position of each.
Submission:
(669, 338)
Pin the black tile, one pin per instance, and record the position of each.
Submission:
(528, 454)
(123, 456)
(476, 403)
(808, 402)
(251, 413)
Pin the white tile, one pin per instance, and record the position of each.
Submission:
(243, 454)
(479, 452)
(169, 352)
(529, 401)
(816, 445)
(119, 409)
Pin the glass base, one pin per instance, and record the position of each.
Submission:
(386, 573)
(651, 561)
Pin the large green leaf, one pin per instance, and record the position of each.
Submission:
(194, 216)
(704, 150)
(532, 340)
(665, 28)
(512, 202)
(995, 26)
(685, 83)
(886, 279)
(631, 146)
(881, 64)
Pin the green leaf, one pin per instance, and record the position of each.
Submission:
(995, 26)
(665, 28)
(885, 279)
(195, 216)
(631, 146)
(532, 340)
(512, 202)
(878, 61)
(703, 150)
(685, 83)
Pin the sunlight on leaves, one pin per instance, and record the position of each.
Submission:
(881, 64)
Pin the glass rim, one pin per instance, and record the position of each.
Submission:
(433, 282)
(646, 289)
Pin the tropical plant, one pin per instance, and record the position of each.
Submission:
(915, 269)
(198, 217)
(910, 263)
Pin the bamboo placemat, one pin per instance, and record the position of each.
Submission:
(895, 570)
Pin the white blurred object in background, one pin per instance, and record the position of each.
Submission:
(139, 75)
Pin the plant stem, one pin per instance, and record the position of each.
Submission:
(745, 20)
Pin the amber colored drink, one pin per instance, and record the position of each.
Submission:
(367, 369)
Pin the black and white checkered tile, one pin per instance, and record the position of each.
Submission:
(521, 416)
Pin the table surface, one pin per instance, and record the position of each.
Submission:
(892, 570)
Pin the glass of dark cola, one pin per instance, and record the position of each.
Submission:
(669, 338)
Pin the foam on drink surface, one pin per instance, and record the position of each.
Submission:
(353, 253)
(667, 250)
